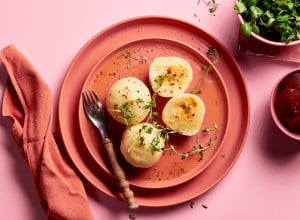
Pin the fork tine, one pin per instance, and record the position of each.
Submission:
(91, 102)
(93, 94)
(89, 98)
(96, 99)
(85, 102)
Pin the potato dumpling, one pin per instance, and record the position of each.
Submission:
(184, 113)
(170, 76)
(128, 101)
(142, 145)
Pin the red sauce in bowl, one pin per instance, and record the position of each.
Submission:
(287, 102)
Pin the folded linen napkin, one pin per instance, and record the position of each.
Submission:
(27, 101)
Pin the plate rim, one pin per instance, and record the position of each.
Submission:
(182, 23)
(195, 53)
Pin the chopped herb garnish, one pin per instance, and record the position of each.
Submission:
(125, 110)
(159, 80)
(142, 141)
(154, 144)
(149, 130)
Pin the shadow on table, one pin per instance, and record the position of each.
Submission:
(252, 47)
(117, 209)
(277, 145)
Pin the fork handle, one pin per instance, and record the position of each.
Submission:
(119, 174)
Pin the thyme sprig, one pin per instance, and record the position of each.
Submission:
(213, 56)
(152, 105)
(212, 5)
(146, 129)
(125, 110)
(138, 58)
(209, 129)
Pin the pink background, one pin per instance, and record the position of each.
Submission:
(263, 184)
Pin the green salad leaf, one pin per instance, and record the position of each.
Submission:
(276, 20)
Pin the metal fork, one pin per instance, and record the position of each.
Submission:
(94, 110)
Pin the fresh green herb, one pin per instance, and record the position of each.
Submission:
(149, 130)
(152, 105)
(275, 20)
(142, 140)
(155, 142)
(125, 110)
(194, 150)
(160, 79)
(145, 129)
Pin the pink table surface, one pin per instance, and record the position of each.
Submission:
(263, 184)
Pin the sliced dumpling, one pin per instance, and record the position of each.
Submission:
(128, 101)
(170, 76)
(184, 113)
(142, 145)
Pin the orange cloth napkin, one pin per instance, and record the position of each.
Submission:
(27, 101)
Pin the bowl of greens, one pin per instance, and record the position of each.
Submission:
(275, 22)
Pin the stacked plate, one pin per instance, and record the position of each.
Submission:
(127, 49)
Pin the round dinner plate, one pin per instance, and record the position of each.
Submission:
(116, 37)
(133, 59)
